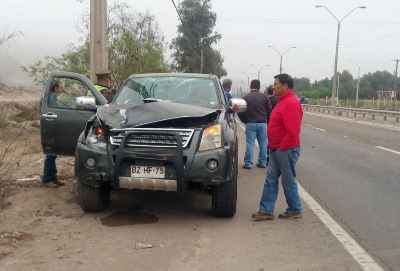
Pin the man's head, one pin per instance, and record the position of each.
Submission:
(56, 87)
(282, 84)
(104, 77)
(227, 84)
(270, 90)
(255, 84)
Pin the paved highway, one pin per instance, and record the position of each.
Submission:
(351, 168)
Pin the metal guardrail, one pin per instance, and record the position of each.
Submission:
(355, 111)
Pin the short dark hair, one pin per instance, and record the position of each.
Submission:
(270, 90)
(255, 84)
(285, 79)
(227, 83)
(55, 85)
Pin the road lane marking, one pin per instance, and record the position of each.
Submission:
(309, 125)
(386, 126)
(385, 149)
(355, 250)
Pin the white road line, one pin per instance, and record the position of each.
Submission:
(383, 148)
(319, 129)
(387, 126)
(355, 250)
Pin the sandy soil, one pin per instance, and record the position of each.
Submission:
(26, 207)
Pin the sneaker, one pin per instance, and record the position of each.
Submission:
(50, 185)
(59, 183)
(287, 215)
(261, 165)
(261, 216)
(246, 166)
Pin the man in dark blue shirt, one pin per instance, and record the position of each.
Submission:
(227, 85)
(50, 169)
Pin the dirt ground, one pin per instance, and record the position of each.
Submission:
(26, 208)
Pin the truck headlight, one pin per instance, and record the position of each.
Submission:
(96, 139)
(211, 138)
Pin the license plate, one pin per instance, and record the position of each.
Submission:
(148, 172)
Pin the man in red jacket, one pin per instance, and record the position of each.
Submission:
(284, 144)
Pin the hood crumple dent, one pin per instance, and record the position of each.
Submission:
(121, 116)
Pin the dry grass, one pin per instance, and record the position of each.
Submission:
(18, 120)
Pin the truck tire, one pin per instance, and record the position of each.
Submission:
(224, 196)
(93, 199)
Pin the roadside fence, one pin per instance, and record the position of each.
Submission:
(384, 114)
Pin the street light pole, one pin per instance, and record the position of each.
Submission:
(280, 66)
(337, 90)
(248, 79)
(337, 48)
(259, 70)
(358, 82)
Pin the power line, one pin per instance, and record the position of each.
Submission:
(191, 38)
(363, 42)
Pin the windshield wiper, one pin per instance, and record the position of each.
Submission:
(152, 100)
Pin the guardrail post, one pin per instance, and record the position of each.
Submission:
(372, 116)
(384, 118)
(397, 119)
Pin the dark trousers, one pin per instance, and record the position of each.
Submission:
(49, 169)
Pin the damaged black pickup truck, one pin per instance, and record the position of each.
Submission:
(165, 132)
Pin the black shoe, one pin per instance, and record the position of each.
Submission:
(246, 167)
(261, 165)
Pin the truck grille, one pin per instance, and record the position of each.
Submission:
(147, 137)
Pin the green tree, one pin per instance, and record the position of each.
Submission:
(195, 34)
(372, 82)
(301, 84)
(327, 83)
(135, 45)
(346, 85)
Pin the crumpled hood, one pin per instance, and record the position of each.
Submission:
(130, 115)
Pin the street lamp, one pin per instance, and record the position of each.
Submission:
(358, 82)
(337, 48)
(280, 66)
(259, 70)
(248, 78)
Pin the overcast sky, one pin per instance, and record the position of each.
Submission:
(370, 37)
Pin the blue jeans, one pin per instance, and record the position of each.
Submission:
(49, 169)
(281, 164)
(253, 131)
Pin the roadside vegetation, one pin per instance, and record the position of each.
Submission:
(18, 120)
(136, 45)
(369, 85)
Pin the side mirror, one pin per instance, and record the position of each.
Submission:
(237, 105)
(86, 103)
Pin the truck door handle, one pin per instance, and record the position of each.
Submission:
(49, 116)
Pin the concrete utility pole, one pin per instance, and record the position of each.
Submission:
(358, 82)
(335, 72)
(98, 37)
(395, 76)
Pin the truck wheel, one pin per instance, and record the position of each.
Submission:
(224, 198)
(93, 199)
